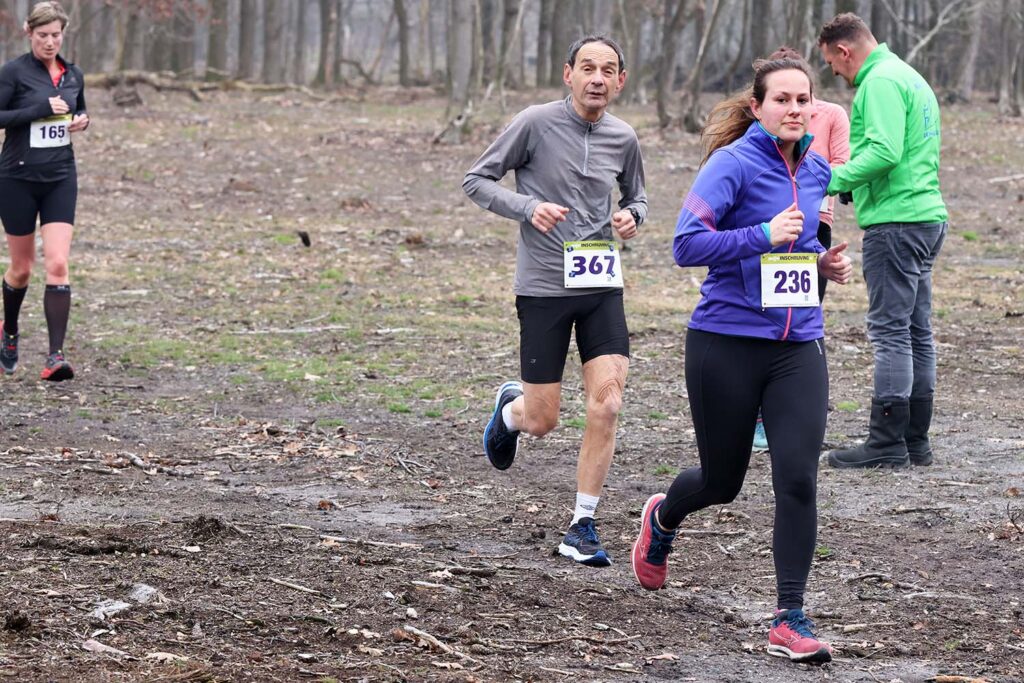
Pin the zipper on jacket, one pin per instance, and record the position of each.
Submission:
(796, 201)
(586, 149)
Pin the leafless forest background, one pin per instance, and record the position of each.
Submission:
(477, 49)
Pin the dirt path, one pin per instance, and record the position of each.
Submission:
(283, 441)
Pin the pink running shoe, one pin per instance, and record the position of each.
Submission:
(650, 552)
(791, 636)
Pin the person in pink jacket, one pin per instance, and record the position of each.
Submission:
(830, 127)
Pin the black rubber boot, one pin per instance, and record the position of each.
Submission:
(886, 444)
(918, 446)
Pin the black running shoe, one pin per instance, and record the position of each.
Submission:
(9, 352)
(582, 544)
(57, 369)
(500, 444)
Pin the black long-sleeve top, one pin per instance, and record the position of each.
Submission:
(25, 91)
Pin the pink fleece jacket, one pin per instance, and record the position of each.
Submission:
(830, 127)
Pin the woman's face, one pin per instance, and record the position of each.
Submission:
(786, 110)
(46, 40)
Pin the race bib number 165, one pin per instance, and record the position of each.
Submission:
(50, 132)
(592, 264)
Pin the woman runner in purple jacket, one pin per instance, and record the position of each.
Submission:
(755, 337)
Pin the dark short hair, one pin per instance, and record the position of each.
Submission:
(845, 27)
(575, 48)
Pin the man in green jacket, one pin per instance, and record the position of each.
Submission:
(893, 175)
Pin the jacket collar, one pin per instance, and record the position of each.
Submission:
(877, 55)
(572, 114)
(766, 140)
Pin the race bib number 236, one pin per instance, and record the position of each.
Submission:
(592, 263)
(789, 280)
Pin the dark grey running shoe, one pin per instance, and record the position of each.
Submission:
(500, 444)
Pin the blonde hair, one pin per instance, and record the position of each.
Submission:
(729, 119)
(44, 13)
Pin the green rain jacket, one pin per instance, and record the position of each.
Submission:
(893, 169)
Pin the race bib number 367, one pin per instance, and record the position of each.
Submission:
(592, 264)
(789, 280)
(50, 132)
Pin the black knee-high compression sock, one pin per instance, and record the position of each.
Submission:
(12, 306)
(57, 307)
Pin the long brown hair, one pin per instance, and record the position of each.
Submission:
(730, 118)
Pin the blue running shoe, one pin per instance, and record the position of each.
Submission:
(9, 352)
(760, 438)
(581, 544)
(500, 444)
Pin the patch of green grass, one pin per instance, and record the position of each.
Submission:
(35, 430)
(664, 469)
(940, 313)
(848, 406)
(951, 645)
(330, 422)
(969, 235)
(577, 422)
(400, 408)
(823, 552)
(84, 414)
(332, 274)
(433, 413)
(286, 239)
(655, 415)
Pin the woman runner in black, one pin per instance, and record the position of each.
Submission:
(42, 102)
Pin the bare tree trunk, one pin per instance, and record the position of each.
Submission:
(183, 50)
(342, 33)
(673, 20)
(247, 67)
(424, 46)
(693, 118)
(217, 47)
(403, 42)
(460, 55)
(301, 40)
(488, 27)
(511, 27)
(273, 41)
(1010, 58)
(328, 28)
(544, 40)
(563, 32)
(734, 66)
(968, 64)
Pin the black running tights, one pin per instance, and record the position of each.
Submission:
(727, 379)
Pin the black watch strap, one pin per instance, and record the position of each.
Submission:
(636, 216)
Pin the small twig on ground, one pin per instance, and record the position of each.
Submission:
(293, 586)
(230, 613)
(294, 330)
(556, 671)
(301, 527)
(566, 639)
(885, 578)
(853, 628)
(907, 511)
(443, 647)
(709, 532)
(360, 541)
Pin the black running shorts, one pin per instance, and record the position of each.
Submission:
(546, 323)
(22, 201)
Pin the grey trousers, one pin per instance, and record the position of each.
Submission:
(898, 261)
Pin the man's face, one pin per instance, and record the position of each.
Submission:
(840, 59)
(595, 79)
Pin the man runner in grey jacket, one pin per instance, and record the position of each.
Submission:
(567, 156)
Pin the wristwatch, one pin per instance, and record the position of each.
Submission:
(636, 216)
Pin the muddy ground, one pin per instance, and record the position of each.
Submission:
(271, 453)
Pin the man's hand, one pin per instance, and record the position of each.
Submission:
(547, 215)
(624, 224)
(787, 225)
(836, 266)
(845, 198)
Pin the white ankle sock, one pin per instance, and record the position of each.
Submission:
(506, 417)
(586, 505)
